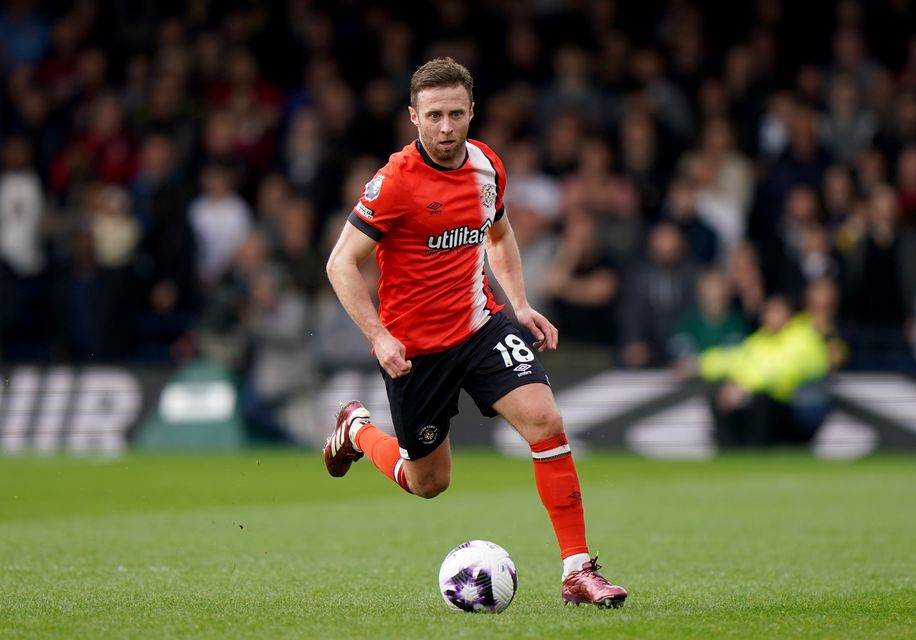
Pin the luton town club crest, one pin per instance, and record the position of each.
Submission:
(373, 188)
(488, 195)
(427, 434)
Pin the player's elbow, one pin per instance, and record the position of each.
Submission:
(334, 266)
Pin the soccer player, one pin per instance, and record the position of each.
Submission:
(431, 215)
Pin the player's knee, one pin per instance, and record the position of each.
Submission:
(548, 424)
(430, 486)
(545, 424)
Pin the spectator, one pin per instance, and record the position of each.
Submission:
(167, 264)
(725, 181)
(880, 284)
(115, 235)
(24, 33)
(296, 252)
(276, 320)
(21, 210)
(849, 127)
(747, 282)
(75, 318)
(760, 379)
(581, 283)
(803, 162)
(838, 194)
(906, 184)
(536, 201)
(273, 193)
(220, 220)
(783, 249)
(641, 158)
(304, 150)
(656, 293)
(23, 285)
(105, 151)
(680, 208)
(712, 322)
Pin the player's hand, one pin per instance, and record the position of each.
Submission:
(391, 354)
(545, 334)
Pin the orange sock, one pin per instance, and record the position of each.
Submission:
(558, 485)
(383, 451)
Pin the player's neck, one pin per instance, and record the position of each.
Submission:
(428, 159)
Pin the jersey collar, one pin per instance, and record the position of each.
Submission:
(435, 165)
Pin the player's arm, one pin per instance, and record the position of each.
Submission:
(352, 249)
(506, 263)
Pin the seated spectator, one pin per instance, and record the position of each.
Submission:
(713, 322)
(581, 282)
(656, 293)
(759, 380)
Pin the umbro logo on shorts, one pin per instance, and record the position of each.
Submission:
(523, 370)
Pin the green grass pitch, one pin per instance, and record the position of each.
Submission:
(265, 545)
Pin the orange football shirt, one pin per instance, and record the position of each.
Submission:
(430, 223)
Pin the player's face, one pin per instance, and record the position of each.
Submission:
(442, 117)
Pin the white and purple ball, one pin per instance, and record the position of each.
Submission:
(478, 577)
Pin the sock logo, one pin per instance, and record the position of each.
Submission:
(575, 496)
(459, 237)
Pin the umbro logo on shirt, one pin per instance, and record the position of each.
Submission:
(434, 207)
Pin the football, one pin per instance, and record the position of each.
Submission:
(478, 577)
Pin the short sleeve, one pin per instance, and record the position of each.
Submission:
(378, 209)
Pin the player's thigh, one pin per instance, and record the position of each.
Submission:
(423, 402)
(506, 378)
(532, 410)
(432, 472)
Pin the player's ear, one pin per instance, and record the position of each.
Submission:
(413, 116)
(471, 112)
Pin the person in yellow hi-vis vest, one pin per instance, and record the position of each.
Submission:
(770, 388)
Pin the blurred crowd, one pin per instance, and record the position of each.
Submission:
(174, 173)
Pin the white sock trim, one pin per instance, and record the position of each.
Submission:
(359, 418)
(556, 452)
(574, 563)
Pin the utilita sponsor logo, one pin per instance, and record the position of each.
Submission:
(460, 237)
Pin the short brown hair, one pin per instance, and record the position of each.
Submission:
(440, 72)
